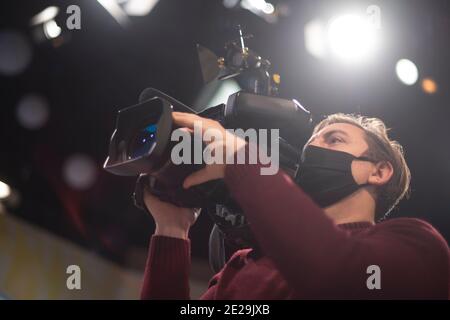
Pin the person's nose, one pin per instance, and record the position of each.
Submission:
(317, 142)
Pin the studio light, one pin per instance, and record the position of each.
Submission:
(261, 8)
(116, 11)
(139, 7)
(45, 26)
(80, 172)
(5, 190)
(429, 86)
(15, 52)
(347, 38)
(315, 38)
(120, 10)
(51, 29)
(32, 111)
(352, 38)
(44, 16)
(407, 72)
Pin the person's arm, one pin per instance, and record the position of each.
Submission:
(166, 273)
(321, 260)
(316, 257)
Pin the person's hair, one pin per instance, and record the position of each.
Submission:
(381, 148)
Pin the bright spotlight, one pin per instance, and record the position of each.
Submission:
(352, 38)
(116, 11)
(429, 86)
(230, 3)
(51, 29)
(315, 42)
(268, 8)
(44, 16)
(261, 8)
(139, 7)
(32, 111)
(254, 4)
(15, 53)
(407, 71)
(80, 172)
(5, 190)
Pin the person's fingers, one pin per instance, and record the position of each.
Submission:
(214, 134)
(186, 130)
(196, 178)
(197, 212)
(184, 119)
(214, 153)
(189, 120)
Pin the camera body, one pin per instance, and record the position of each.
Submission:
(141, 143)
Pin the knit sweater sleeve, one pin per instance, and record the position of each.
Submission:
(166, 274)
(318, 259)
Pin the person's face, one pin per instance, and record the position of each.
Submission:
(351, 139)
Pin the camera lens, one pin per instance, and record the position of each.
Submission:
(143, 142)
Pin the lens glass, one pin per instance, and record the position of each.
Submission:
(143, 142)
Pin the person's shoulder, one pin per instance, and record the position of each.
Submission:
(414, 224)
(414, 229)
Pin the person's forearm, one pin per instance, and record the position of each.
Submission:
(172, 232)
(289, 227)
(166, 273)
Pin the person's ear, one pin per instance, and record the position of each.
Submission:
(381, 173)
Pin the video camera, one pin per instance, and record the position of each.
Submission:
(141, 142)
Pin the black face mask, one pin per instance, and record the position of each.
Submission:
(326, 175)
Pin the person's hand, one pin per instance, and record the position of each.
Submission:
(174, 221)
(216, 138)
(171, 221)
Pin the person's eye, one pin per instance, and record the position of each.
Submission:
(335, 139)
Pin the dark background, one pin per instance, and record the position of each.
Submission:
(93, 72)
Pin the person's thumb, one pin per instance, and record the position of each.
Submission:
(198, 177)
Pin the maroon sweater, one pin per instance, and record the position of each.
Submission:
(305, 255)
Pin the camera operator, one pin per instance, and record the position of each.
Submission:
(317, 240)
